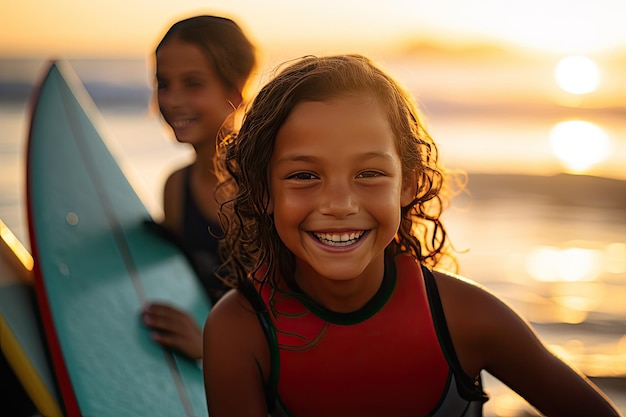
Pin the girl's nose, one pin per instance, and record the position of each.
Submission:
(338, 199)
(170, 98)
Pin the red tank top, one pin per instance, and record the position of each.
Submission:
(383, 360)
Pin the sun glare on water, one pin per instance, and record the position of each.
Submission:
(579, 145)
(577, 74)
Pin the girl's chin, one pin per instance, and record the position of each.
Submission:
(182, 138)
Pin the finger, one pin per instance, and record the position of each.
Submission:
(165, 318)
(162, 310)
(169, 319)
(164, 324)
(167, 340)
(191, 348)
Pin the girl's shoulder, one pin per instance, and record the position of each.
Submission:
(233, 311)
(470, 305)
(462, 295)
(480, 323)
(236, 356)
(234, 321)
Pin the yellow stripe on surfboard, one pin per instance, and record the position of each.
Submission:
(15, 253)
(16, 267)
(26, 373)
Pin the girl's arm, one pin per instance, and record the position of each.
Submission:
(488, 334)
(236, 359)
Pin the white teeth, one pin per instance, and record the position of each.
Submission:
(181, 123)
(339, 239)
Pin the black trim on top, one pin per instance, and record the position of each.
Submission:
(469, 388)
(254, 298)
(370, 308)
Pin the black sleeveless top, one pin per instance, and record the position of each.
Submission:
(200, 237)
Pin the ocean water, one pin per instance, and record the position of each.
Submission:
(551, 244)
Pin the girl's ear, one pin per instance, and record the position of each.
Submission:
(409, 188)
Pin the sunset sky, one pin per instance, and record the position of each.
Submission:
(132, 27)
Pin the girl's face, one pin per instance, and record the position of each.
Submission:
(337, 189)
(192, 99)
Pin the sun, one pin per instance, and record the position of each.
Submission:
(579, 144)
(577, 74)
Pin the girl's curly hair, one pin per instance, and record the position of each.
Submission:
(251, 243)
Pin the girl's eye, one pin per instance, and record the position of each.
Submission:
(301, 176)
(193, 83)
(161, 85)
(370, 174)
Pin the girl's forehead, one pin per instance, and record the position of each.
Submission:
(332, 106)
(338, 111)
(180, 53)
(340, 103)
(355, 120)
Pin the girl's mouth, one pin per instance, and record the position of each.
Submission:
(339, 239)
(179, 124)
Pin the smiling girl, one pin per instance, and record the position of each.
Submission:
(202, 66)
(333, 196)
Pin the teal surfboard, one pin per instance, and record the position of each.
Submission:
(96, 265)
(21, 338)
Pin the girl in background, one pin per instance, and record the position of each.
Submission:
(202, 67)
(333, 199)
